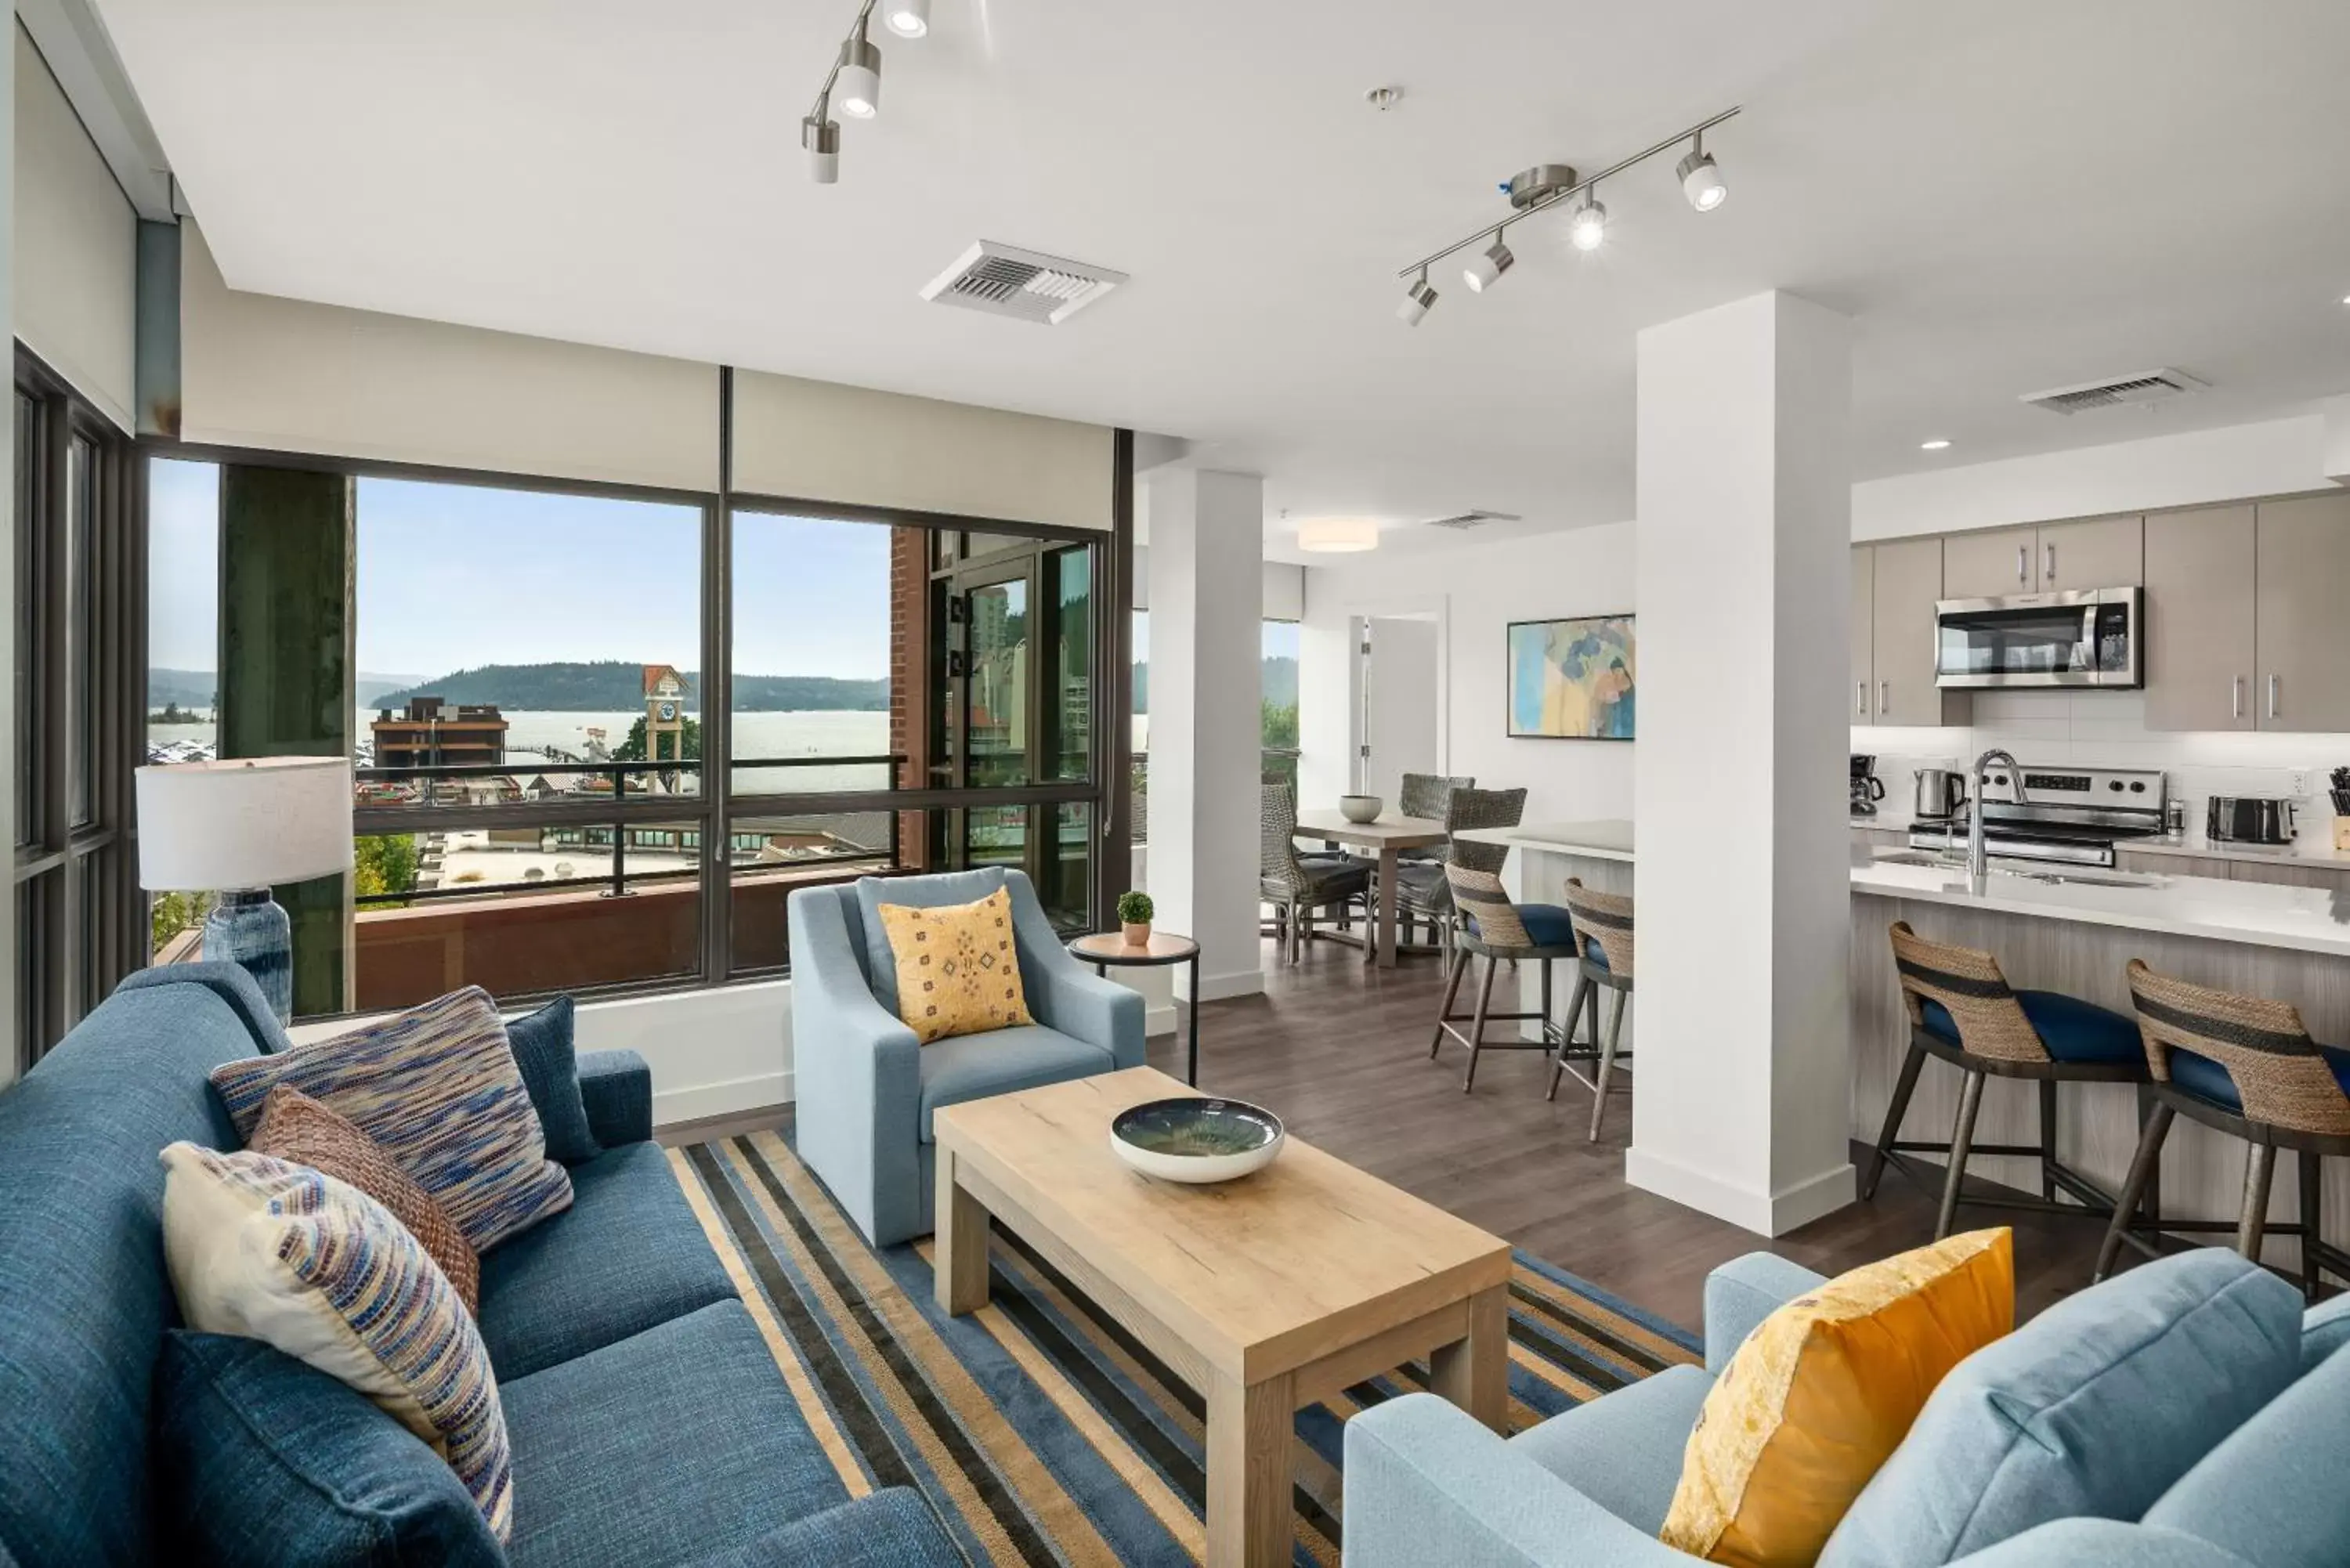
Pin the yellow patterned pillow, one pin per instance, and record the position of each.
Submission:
(1823, 1391)
(957, 970)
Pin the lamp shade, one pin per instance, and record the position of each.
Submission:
(246, 821)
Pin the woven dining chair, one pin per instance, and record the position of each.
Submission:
(1422, 893)
(2245, 1066)
(1603, 930)
(1963, 1011)
(1296, 886)
(1492, 928)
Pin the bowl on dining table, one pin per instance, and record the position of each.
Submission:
(1195, 1140)
(1360, 808)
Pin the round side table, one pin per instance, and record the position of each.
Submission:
(1105, 949)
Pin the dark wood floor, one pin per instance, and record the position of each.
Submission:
(1341, 1055)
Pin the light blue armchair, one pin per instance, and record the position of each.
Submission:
(2079, 1402)
(864, 1091)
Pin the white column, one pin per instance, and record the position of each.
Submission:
(1744, 548)
(1207, 600)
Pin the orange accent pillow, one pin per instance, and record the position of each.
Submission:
(1823, 1391)
(299, 1130)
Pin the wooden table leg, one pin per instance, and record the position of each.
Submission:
(1473, 1372)
(959, 1256)
(1383, 935)
(1250, 1432)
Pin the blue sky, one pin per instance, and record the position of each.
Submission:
(453, 575)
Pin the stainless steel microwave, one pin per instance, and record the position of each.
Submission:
(2088, 637)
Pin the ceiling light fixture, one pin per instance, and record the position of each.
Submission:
(1938, 444)
(1700, 180)
(909, 18)
(1486, 270)
(1337, 536)
(1416, 301)
(821, 137)
(1587, 224)
(860, 74)
(854, 82)
(1543, 186)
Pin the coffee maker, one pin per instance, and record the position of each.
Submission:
(1867, 789)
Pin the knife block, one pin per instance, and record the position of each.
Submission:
(2342, 833)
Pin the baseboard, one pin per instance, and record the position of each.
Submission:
(1770, 1214)
(1218, 987)
(1158, 1021)
(731, 1097)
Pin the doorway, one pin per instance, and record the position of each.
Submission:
(1400, 684)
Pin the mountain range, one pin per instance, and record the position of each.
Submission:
(196, 688)
(609, 686)
(1279, 681)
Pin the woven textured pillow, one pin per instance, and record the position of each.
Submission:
(298, 1129)
(957, 967)
(437, 1088)
(1821, 1393)
(314, 1266)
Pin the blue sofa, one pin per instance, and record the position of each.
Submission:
(863, 1090)
(647, 1420)
(2198, 1461)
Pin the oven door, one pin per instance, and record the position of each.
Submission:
(2086, 638)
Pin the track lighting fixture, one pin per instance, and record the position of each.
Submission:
(1587, 224)
(1416, 301)
(1545, 185)
(1700, 180)
(821, 137)
(859, 77)
(1486, 270)
(907, 18)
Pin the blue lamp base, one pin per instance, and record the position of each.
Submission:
(248, 927)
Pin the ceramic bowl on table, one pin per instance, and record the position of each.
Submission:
(1360, 808)
(1196, 1140)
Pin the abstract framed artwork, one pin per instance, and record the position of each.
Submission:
(1573, 679)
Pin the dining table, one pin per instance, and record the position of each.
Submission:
(1384, 835)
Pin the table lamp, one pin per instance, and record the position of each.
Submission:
(237, 826)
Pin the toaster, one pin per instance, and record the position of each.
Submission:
(2249, 819)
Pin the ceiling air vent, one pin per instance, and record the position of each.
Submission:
(1027, 286)
(1476, 518)
(2140, 391)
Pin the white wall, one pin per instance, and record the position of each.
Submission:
(76, 244)
(1477, 590)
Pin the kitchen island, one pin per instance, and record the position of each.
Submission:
(2055, 928)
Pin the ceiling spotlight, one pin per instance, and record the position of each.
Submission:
(1416, 301)
(1937, 444)
(908, 18)
(1338, 535)
(1700, 180)
(1486, 270)
(821, 137)
(1586, 225)
(859, 79)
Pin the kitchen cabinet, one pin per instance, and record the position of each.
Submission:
(1905, 575)
(2292, 873)
(2200, 618)
(2301, 628)
(2138, 860)
(1863, 634)
(1989, 564)
(2057, 558)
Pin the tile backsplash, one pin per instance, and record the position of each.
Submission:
(2107, 729)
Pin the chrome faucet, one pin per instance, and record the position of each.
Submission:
(1978, 868)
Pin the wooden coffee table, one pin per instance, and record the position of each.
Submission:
(1267, 1293)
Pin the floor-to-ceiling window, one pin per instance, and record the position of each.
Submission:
(1277, 699)
(76, 615)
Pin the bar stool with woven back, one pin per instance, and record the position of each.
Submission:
(1962, 1012)
(1492, 928)
(2246, 1066)
(1423, 891)
(1603, 929)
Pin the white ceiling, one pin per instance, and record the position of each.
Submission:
(2006, 196)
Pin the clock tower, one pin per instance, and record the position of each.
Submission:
(664, 714)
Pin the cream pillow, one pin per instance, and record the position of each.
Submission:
(275, 1252)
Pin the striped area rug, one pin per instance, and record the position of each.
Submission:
(1040, 1431)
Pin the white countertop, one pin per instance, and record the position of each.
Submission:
(2261, 914)
(2301, 852)
(1604, 840)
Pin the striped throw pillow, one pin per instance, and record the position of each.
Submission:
(278, 1252)
(438, 1089)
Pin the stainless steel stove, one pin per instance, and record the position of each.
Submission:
(2074, 816)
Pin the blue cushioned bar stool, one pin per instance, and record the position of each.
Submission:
(2245, 1066)
(1603, 927)
(1493, 929)
(1962, 1012)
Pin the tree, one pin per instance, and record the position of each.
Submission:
(632, 750)
(384, 864)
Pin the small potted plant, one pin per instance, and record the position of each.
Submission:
(1134, 912)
